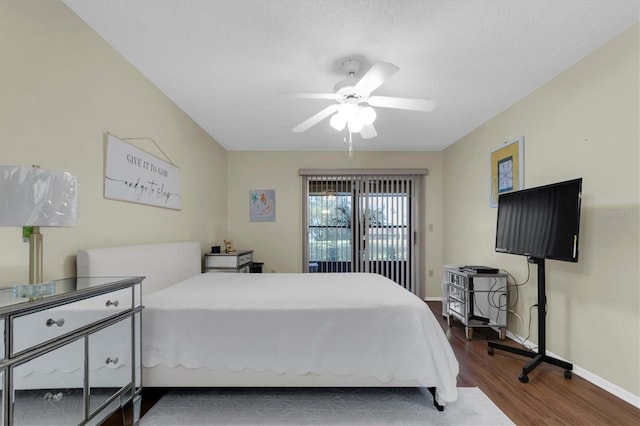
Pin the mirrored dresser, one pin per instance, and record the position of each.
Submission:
(71, 351)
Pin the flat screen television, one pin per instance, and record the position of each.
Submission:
(541, 222)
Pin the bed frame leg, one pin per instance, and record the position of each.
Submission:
(435, 401)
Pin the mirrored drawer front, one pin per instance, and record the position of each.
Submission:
(227, 261)
(109, 362)
(35, 328)
(48, 390)
(221, 261)
(245, 258)
(456, 279)
(456, 308)
(457, 293)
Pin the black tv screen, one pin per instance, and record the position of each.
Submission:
(541, 222)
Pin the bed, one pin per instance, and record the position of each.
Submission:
(273, 330)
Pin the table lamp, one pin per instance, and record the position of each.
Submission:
(35, 197)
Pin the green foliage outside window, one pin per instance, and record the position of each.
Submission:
(331, 232)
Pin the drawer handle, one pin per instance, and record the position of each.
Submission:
(55, 396)
(51, 321)
(110, 303)
(110, 360)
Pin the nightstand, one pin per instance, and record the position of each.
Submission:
(475, 299)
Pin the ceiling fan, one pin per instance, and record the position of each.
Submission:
(353, 95)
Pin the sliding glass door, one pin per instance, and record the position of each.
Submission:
(362, 223)
(329, 226)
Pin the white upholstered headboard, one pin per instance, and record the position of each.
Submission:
(161, 264)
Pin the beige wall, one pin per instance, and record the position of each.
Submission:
(584, 123)
(61, 88)
(279, 244)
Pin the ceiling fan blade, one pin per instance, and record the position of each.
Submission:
(377, 74)
(315, 119)
(368, 132)
(424, 105)
(306, 95)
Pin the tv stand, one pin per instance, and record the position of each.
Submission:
(540, 356)
(471, 298)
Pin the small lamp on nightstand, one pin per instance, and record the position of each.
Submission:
(31, 196)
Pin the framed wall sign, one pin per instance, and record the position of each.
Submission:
(506, 169)
(262, 205)
(131, 174)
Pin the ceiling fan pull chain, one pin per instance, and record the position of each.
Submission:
(350, 144)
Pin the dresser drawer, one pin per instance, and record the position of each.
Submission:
(48, 388)
(221, 261)
(110, 360)
(457, 308)
(38, 327)
(457, 293)
(227, 260)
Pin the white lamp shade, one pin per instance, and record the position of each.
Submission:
(31, 196)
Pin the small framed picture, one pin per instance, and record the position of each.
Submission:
(262, 205)
(506, 169)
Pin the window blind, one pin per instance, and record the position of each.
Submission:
(362, 222)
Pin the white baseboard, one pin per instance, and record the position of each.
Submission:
(612, 388)
(605, 385)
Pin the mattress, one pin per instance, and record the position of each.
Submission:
(356, 325)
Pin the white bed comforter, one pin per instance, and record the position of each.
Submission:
(346, 324)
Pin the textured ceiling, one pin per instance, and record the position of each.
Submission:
(225, 62)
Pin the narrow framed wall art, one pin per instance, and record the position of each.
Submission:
(506, 169)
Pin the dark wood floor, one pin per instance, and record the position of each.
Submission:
(548, 398)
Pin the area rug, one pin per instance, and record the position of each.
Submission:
(320, 406)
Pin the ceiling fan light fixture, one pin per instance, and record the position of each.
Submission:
(355, 126)
(367, 115)
(338, 121)
(348, 110)
(354, 109)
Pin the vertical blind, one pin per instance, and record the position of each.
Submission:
(362, 221)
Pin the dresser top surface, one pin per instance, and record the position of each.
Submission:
(458, 269)
(233, 253)
(13, 299)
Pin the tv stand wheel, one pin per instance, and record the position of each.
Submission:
(568, 374)
(490, 351)
(468, 331)
(523, 378)
(503, 333)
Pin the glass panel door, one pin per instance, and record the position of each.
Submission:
(362, 224)
(330, 235)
